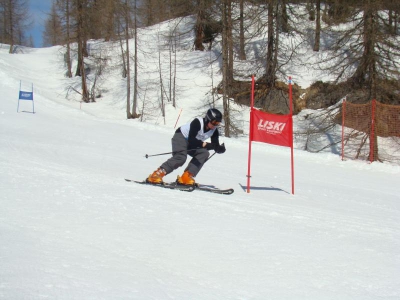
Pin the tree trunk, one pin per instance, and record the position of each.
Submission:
(242, 52)
(284, 18)
(230, 46)
(317, 26)
(225, 64)
(199, 27)
(11, 25)
(135, 76)
(80, 70)
(128, 67)
(68, 54)
(366, 68)
(270, 72)
(109, 30)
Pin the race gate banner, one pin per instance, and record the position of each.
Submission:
(271, 128)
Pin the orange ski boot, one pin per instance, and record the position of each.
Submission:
(157, 176)
(186, 179)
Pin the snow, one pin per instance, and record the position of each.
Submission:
(72, 228)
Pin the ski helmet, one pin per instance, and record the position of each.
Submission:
(213, 114)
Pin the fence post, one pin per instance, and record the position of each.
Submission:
(372, 132)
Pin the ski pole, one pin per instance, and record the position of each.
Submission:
(213, 154)
(147, 156)
(158, 154)
(210, 157)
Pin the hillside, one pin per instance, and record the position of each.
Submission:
(72, 228)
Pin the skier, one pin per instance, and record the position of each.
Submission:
(190, 139)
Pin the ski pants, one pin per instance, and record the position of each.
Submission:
(180, 153)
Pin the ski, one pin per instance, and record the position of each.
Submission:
(172, 185)
(215, 190)
(187, 188)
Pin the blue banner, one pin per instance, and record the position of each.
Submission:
(25, 95)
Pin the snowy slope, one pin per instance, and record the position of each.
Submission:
(72, 228)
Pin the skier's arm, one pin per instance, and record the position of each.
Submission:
(195, 127)
(215, 137)
(215, 141)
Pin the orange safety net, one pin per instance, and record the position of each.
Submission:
(371, 132)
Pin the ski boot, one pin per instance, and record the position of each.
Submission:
(157, 176)
(186, 179)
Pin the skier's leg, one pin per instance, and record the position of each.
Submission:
(178, 159)
(200, 156)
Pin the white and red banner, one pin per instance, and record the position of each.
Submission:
(272, 129)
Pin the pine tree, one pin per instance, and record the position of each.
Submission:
(14, 19)
(53, 33)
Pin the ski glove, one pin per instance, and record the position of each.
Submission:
(220, 149)
(211, 146)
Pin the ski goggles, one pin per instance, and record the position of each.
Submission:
(215, 123)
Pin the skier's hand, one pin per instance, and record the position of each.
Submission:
(220, 149)
(211, 146)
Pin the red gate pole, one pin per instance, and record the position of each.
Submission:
(250, 132)
(178, 118)
(291, 132)
(343, 122)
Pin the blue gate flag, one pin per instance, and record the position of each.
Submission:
(25, 95)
